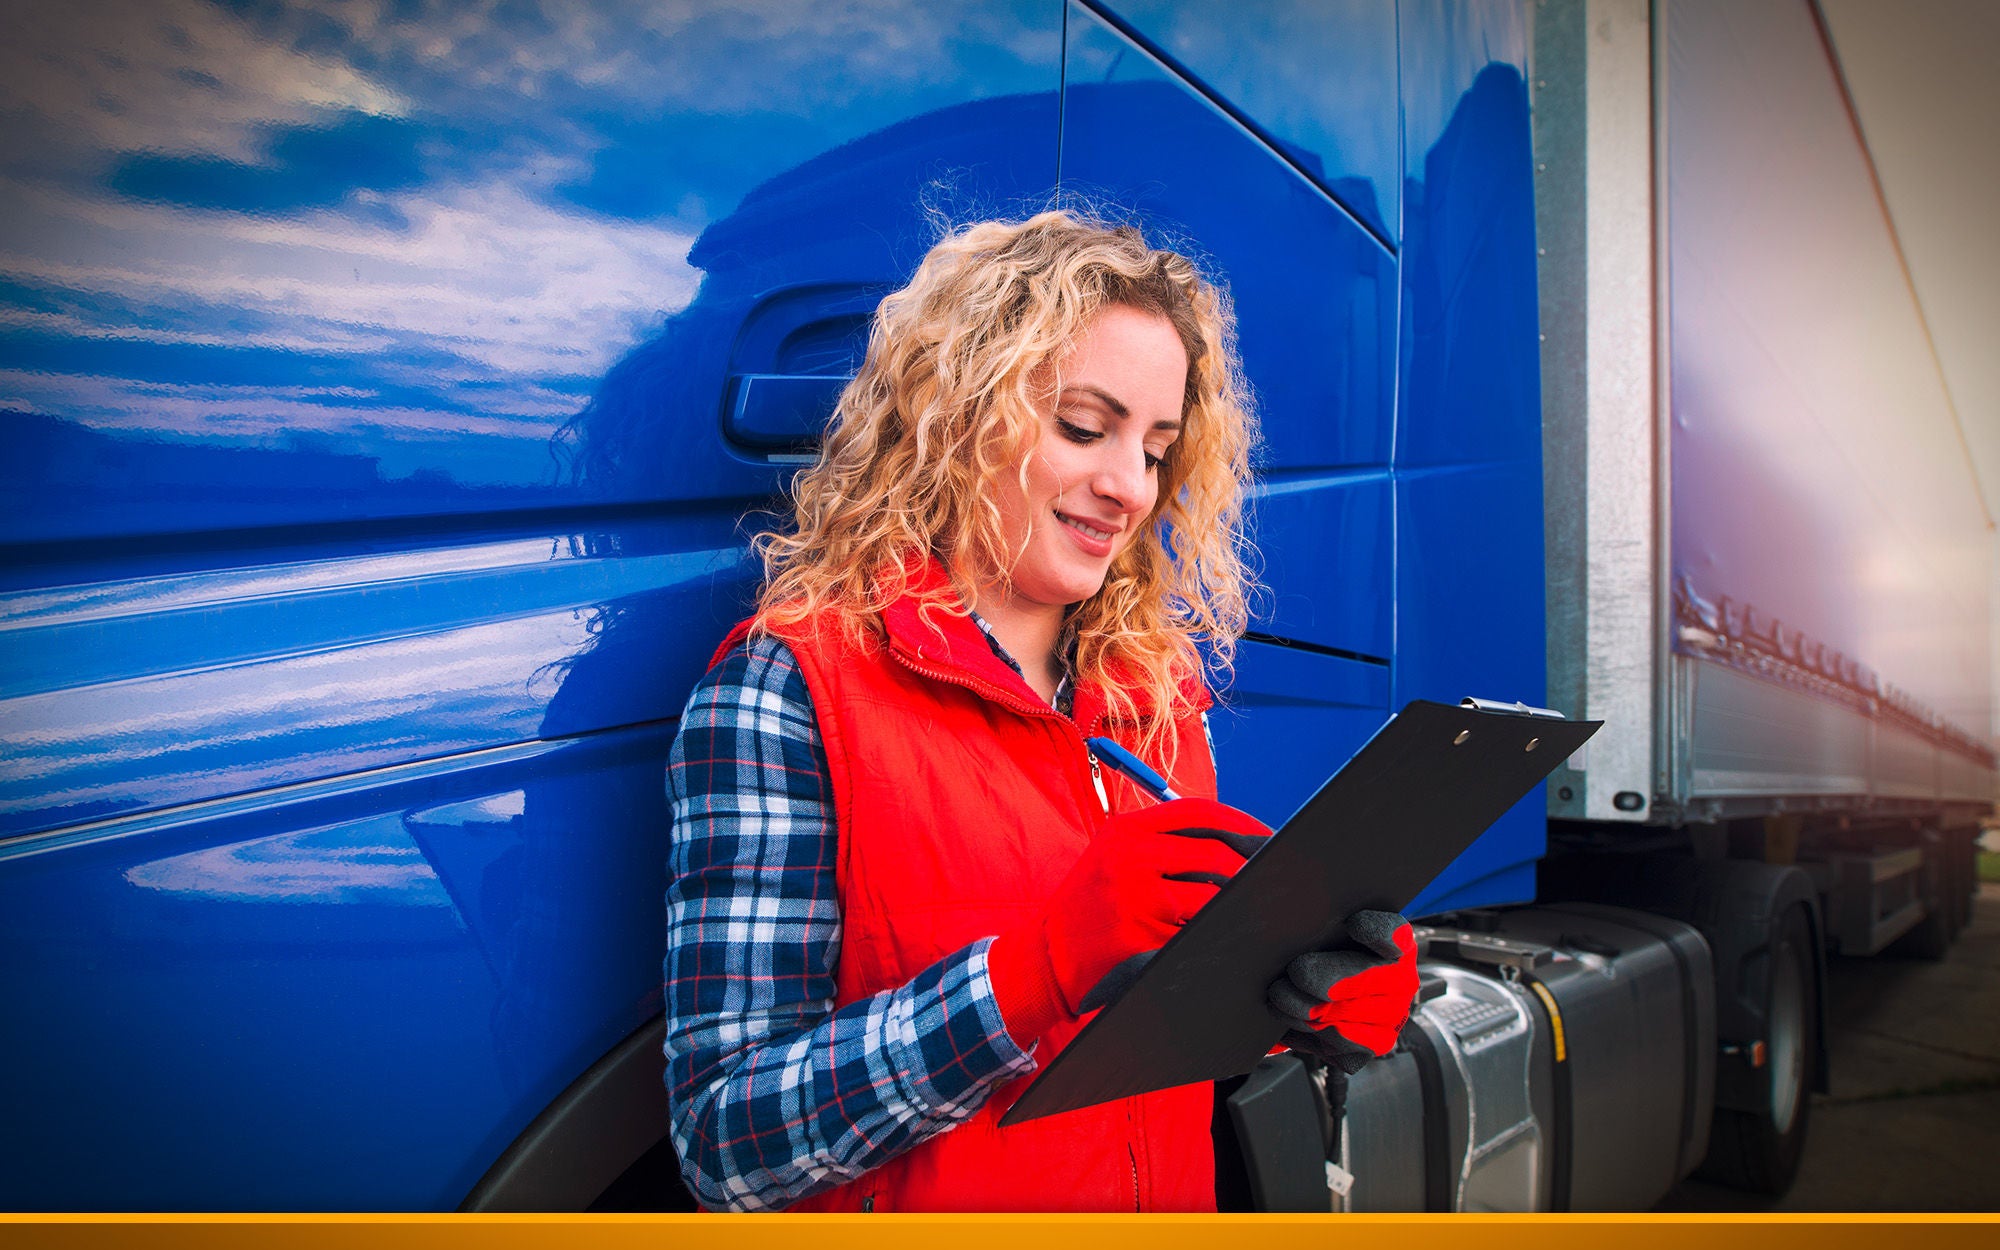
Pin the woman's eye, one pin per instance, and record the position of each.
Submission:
(1153, 461)
(1076, 433)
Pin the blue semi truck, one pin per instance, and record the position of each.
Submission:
(391, 393)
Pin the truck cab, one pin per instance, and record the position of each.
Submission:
(394, 399)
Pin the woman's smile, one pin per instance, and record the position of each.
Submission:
(1093, 538)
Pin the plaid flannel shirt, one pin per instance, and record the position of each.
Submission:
(774, 1094)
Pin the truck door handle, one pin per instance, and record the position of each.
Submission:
(797, 348)
(779, 412)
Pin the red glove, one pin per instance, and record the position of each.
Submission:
(1141, 878)
(1345, 1006)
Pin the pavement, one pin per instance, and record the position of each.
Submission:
(1913, 1119)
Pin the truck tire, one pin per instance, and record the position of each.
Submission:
(1759, 1150)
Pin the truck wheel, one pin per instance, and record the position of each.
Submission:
(1759, 1150)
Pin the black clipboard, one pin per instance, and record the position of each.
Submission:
(1430, 781)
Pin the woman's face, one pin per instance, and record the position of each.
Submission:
(1093, 475)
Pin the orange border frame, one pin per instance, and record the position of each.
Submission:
(979, 1232)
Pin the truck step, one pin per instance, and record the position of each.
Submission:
(1872, 898)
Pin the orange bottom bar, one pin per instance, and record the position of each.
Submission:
(973, 1232)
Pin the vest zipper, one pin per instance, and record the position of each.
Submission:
(988, 690)
(1133, 1159)
(978, 686)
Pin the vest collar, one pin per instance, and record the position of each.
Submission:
(945, 642)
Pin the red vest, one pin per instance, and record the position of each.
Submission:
(962, 800)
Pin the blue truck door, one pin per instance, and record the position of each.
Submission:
(1359, 176)
(1313, 279)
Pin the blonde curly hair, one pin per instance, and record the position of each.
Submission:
(948, 399)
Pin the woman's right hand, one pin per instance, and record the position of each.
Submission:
(1144, 875)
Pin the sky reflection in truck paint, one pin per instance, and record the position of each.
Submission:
(423, 238)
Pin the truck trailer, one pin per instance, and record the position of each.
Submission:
(394, 394)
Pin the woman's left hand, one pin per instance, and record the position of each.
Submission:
(1348, 1006)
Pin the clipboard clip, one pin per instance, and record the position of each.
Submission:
(1511, 709)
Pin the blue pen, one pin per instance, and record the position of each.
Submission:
(1133, 768)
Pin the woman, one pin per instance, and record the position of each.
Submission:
(899, 876)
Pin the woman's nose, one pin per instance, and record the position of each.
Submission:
(1123, 479)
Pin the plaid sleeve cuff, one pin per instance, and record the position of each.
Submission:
(802, 1114)
(950, 1038)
